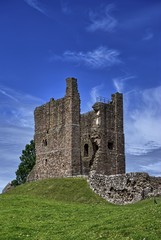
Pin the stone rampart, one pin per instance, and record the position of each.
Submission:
(125, 188)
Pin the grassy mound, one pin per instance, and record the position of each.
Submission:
(66, 209)
(74, 190)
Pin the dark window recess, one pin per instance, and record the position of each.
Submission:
(46, 161)
(86, 150)
(110, 145)
(45, 142)
(95, 149)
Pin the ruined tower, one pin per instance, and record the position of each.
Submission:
(69, 143)
(102, 138)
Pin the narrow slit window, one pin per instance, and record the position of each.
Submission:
(46, 161)
(86, 150)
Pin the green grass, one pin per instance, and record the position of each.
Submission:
(67, 209)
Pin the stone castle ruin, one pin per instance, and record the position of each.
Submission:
(69, 143)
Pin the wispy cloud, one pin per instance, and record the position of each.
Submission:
(8, 95)
(142, 120)
(16, 129)
(148, 35)
(36, 5)
(101, 57)
(102, 19)
(94, 94)
(119, 82)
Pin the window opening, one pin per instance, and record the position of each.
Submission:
(86, 150)
(45, 142)
(95, 149)
(110, 145)
(46, 161)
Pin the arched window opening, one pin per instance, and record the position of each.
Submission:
(46, 161)
(86, 150)
(110, 145)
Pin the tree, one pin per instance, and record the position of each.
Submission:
(28, 159)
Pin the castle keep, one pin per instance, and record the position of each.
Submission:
(69, 143)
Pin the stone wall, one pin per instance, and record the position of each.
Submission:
(57, 136)
(125, 188)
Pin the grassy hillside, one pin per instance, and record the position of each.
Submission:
(66, 209)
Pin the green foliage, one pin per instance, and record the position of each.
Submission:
(66, 209)
(14, 183)
(28, 159)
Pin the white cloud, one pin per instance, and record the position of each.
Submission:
(16, 129)
(36, 5)
(7, 95)
(94, 94)
(119, 82)
(142, 117)
(102, 20)
(12, 140)
(142, 120)
(153, 168)
(149, 162)
(101, 57)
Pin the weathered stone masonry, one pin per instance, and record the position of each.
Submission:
(69, 143)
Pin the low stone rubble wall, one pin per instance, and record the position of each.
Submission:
(125, 188)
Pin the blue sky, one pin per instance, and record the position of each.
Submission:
(108, 46)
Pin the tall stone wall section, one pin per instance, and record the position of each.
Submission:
(72, 103)
(57, 136)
